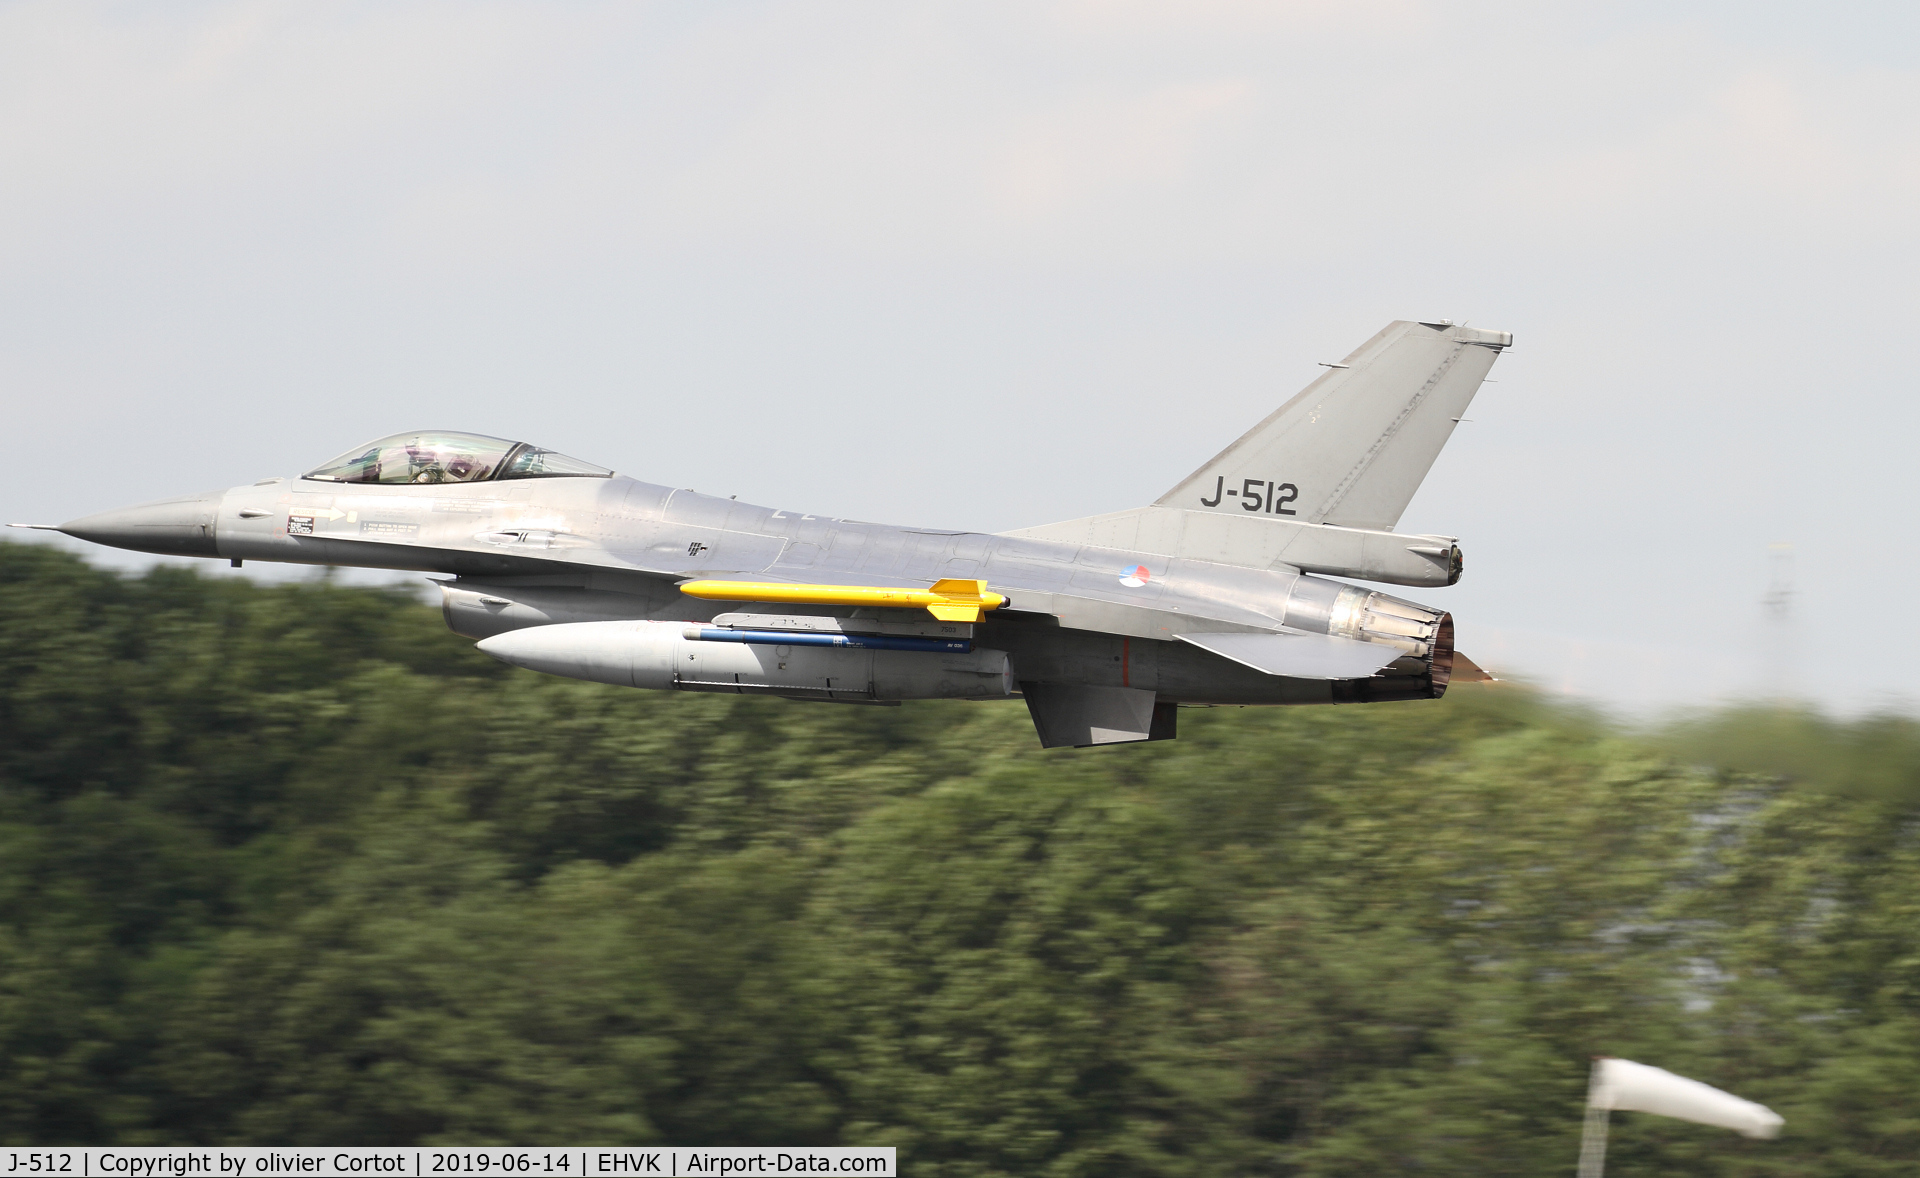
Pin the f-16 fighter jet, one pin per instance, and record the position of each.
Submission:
(1218, 593)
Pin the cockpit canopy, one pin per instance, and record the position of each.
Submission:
(450, 458)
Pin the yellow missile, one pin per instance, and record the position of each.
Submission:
(949, 601)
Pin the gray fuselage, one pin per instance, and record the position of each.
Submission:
(555, 550)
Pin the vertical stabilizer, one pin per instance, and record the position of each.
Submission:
(1353, 447)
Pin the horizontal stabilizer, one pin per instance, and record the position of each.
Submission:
(1300, 656)
(1465, 670)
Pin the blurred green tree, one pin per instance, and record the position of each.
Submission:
(293, 864)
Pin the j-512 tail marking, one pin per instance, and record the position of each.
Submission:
(1274, 498)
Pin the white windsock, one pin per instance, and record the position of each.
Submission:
(1635, 1087)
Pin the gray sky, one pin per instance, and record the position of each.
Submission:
(987, 265)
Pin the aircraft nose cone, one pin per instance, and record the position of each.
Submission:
(172, 527)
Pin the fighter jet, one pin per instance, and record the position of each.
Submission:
(1221, 592)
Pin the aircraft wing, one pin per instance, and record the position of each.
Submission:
(728, 555)
(515, 552)
(1299, 655)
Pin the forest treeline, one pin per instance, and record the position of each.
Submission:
(295, 865)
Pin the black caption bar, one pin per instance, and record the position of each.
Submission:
(186, 1161)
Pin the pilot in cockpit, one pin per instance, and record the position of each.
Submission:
(450, 458)
(446, 464)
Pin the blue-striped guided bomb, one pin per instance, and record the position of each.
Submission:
(806, 664)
